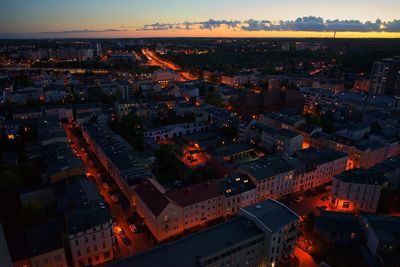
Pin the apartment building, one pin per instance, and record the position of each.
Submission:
(362, 154)
(88, 222)
(200, 203)
(280, 227)
(163, 218)
(239, 192)
(176, 130)
(314, 167)
(382, 237)
(41, 245)
(263, 235)
(357, 190)
(272, 176)
(317, 98)
(274, 140)
(117, 157)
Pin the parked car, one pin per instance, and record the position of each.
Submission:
(324, 198)
(114, 198)
(299, 199)
(133, 228)
(126, 240)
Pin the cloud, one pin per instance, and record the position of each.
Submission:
(310, 23)
(83, 31)
(205, 25)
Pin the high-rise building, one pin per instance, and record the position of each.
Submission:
(385, 77)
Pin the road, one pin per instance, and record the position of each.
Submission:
(310, 203)
(141, 239)
(305, 259)
(155, 60)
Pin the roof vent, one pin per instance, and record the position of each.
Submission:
(258, 207)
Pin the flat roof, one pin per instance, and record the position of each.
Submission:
(272, 214)
(188, 250)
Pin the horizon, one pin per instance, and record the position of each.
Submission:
(45, 19)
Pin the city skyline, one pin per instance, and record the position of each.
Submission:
(54, 19)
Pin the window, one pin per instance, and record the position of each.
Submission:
(346, 205)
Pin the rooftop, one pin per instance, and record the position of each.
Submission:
(235, 184)
(196, 193)
(152, 197)
(83, 206)
(361, 176)
(188, 250)
(267, 167)
(272, 214)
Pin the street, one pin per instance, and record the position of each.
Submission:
(154, 60)
(121, 211)
(310, 203)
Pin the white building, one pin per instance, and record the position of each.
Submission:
(357, 190)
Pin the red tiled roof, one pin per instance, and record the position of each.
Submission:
(151, 197)
(195, 193)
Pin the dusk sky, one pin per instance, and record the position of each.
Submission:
(259, 18)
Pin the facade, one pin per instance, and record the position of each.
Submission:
(275, 140)
(163, 218)
(314, 168)
(362, 154)
(88, 222)
(356, 190)
(200, 203)
(273, 177)
(382, 235)
(315, 98)
(116, 156)
(5, 258)
(41, 245)
(239, 192)
(280, 227)
(263, 235)
(176, 130)
(385, 77)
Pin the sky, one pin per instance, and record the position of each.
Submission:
(215, 18)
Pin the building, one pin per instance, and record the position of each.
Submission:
(357, 190)
(382, 235)
(263, 235)
(316, 99)
(233, 152)
(338, 227)
(200, 203)
(116, 155)
(390, 169)
(314, 168)
(362, 154)
(239, 192)
(41, 245)
(385, 77)
(163, 218)
(5, 258)
(280, 227)
(88, 222)
(272, 176)
(275, 140)
(175, 130)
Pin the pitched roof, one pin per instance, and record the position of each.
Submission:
(152, 197)
(195, 193)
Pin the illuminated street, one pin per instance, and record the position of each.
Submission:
(305, 259)
(140, 241)
(155, 60)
